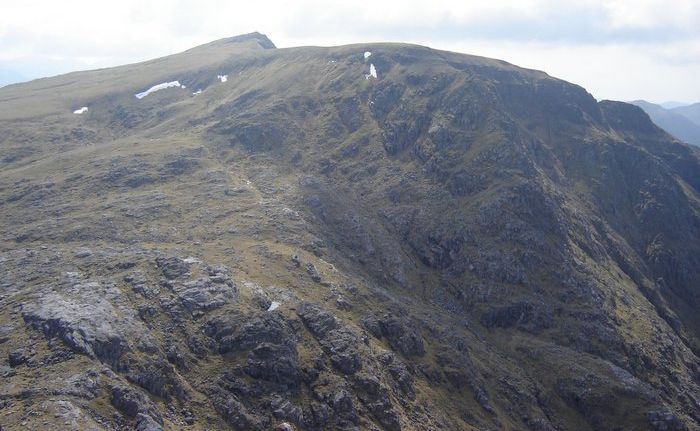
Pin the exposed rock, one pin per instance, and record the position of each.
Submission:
(311, 270)
(172, 267)
(665, 421)
(204, 294)
(399, 372)
(235, 413)
(19, 357)
(285, 409)
(319, 321)
(340, 342)
(284, 426)
(271, 344)
(88, 323)
(136, 405)
(376, 398)
(398, 333)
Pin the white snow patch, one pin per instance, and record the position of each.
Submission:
(191, 260)
(273, 306)
(197, 92)
(372, 72)
(82, 110)
(222, 78)
(155, 88)
(367, 54)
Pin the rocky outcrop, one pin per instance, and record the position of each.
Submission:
(398, 333)
(87, 322)
(136, 405)
(338, 341)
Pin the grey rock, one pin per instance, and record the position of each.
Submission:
(86, 321)
(342, 304)
(376, 398)
(156, 376)
(147, 423)
(397, 332)
(19, 357)
(135, 404)
(203, 294)
(172, 267)
(83, 253)
(284, 409)
(319, 321)
(339, 342)
(313, 273)
(235, 413)
(665, 421)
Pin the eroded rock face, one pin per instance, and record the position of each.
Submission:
(85, 321)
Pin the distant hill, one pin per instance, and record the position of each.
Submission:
(10, 77)
(673, 104)
(673, 121)
(691, 112)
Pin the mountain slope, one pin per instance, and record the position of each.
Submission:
(674, 123)
(456, 243)
(691, 112)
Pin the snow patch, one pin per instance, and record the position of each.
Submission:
(372, 72)
(222, 78)
(155, 88)
(82, 110)
(273, 306)
(191, 260)
(367, 54)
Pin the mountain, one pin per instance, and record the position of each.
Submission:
(675, 123)
(372, 236)
(10, 77)
(671, 105)
(691, 112)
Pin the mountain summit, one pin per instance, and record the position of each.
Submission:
(372, 236)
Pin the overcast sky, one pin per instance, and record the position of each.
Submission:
(617, 49)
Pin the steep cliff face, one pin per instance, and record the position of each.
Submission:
(376, 236)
